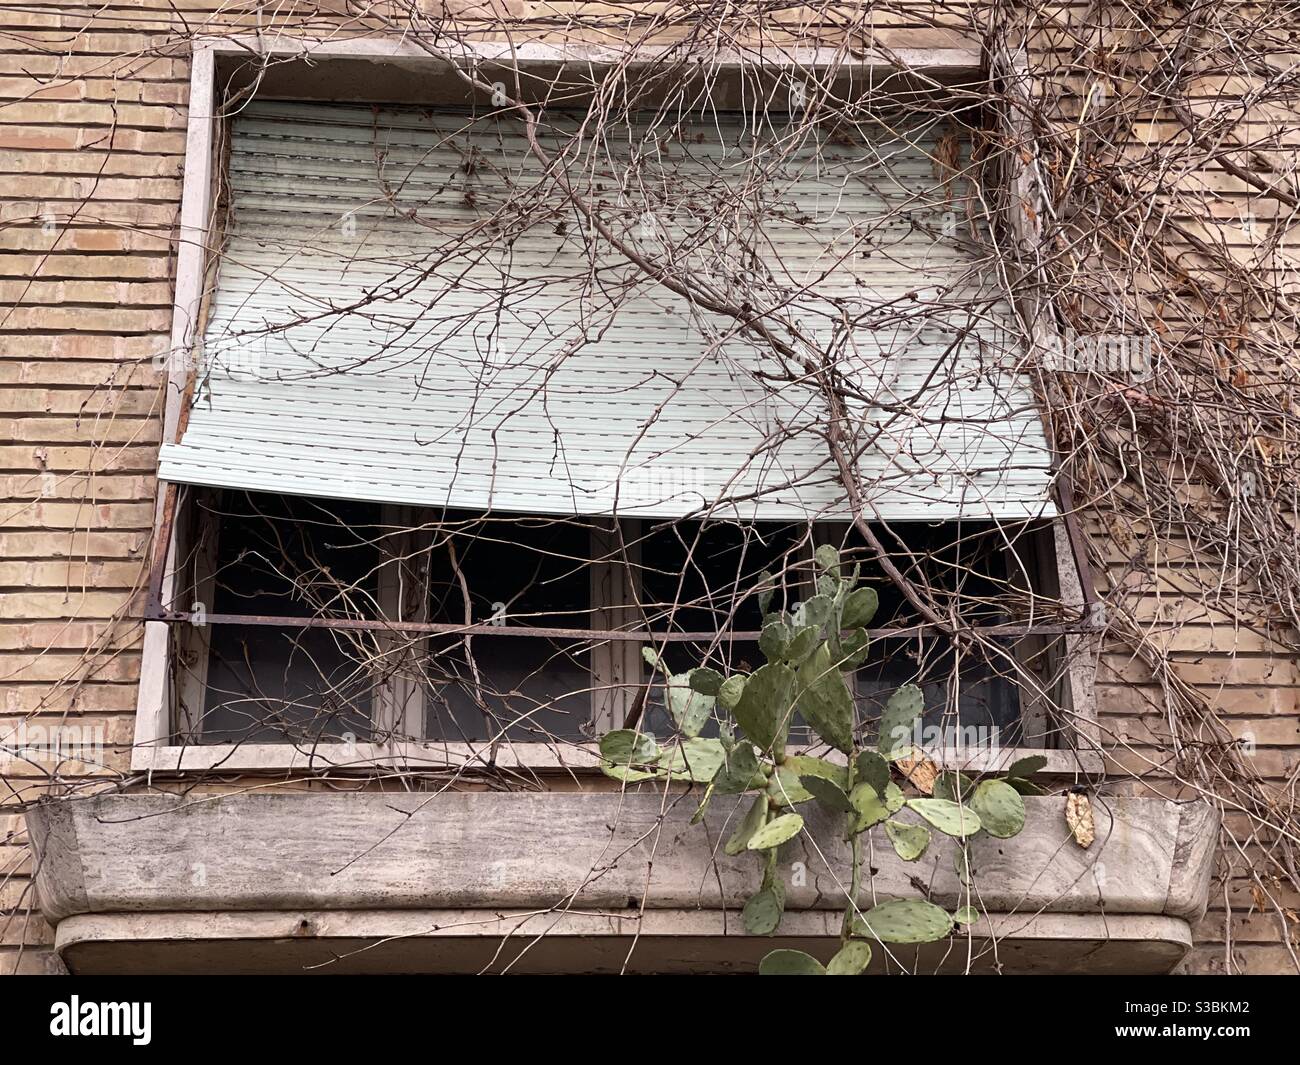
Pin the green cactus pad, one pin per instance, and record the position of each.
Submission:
(751, 823)
(947, 817)
(730, 692)
(690, 710)
(904, 921)
(815, 611)
(627, 775)
(872, 807)
(696, 759)
(1000, 808)
(966, 915)
(854, 649)
(898, 720)
(859, 608)
(806, 765)
(828, 793)
(774, 639)
(1024, 768)
(763, 711)
(705, 681)
(802, 643)
(790, 963)
(962, 867)
(851, 960)
(763, 911)
(910, 841)
(775, 832)
(739, 771)
(824, 700)
(873, 770)
(827, 558)
(784, 786)
(954, 787)
(626, 746)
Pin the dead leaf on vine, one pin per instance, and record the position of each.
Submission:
(920, 772)
(1078, 815)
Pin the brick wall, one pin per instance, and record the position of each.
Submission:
(91, 154)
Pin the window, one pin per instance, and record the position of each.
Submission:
(424, 374)
(493, 614)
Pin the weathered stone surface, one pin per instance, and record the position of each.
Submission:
(461, 850)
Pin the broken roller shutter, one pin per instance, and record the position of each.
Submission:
(348, 354)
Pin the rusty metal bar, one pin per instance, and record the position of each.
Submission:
(536, 631)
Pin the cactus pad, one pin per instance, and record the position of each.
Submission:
(947, 817)
(775, 832)
(910, 841)
(904, 921)
(1001, 809)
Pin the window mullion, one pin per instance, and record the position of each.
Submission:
(616, 665)
(398, 701)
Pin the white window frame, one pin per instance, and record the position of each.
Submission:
(155, 751)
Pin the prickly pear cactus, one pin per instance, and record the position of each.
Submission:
(811, 653)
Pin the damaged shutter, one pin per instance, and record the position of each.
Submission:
(405, 312)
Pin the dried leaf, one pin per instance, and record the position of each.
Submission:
(920, 772)
(1078, 815)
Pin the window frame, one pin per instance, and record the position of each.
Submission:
(155, 750)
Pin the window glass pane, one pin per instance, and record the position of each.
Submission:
(971, 697)
(701, 578)
(292, 557)
(692, 575)
(510, 572)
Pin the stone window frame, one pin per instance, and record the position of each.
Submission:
(155, 751)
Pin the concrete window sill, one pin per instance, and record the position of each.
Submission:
(469, 881)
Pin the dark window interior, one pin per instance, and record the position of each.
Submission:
(967, 568)
(309, 558)
(295, 557)
(516, 571)
(701, 577)
(692, 575)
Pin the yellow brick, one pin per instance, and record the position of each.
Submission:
(42, 515)
(57, 605)
(44, 545)
(61, 264)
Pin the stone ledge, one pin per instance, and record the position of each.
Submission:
(220, 857)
